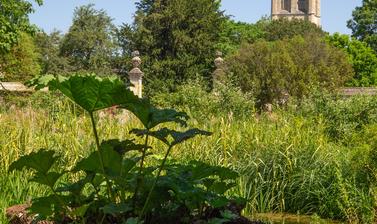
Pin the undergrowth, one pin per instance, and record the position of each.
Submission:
(308, 159)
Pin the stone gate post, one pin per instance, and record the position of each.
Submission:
(136, 75)
(218, 74)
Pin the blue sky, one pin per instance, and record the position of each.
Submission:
(57, 14)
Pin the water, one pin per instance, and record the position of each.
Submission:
(281, 218)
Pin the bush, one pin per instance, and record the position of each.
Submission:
(21, 63)
(344, 117)
(222, 101)
(270, 70)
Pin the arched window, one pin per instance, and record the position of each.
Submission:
(286, 5)
(303, 6)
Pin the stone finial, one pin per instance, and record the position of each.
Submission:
(136, 75)
(136, 61)
(219, 62)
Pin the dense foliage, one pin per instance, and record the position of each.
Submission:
(50, 59)
(362, 58)
(13, 21)
(21, 62)
(283, 28)
(177, 39)
(115, 183)
(316, 158)
(363, 23)
(273, 70)
(233, 34)
(89, 43)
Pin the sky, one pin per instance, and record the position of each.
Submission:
(57, 14)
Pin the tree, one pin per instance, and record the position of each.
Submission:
(48, 46)
(364, 23)
(89, 43)
(176, 38)
(284, 28)
(21, 62)
(233, 34)
(270, 70)
(14, 20)
(361, 56)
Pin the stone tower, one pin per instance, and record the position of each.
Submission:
(300, 9)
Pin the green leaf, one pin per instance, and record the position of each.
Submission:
(112, 162)
(43, 206)
(48, 179)
(151, 116)
(115, 209)
(122, 147)
(80, 211)
(127, 165)
(40, 161)
(89, 164)
(40, 82)
(219, 202)
(183, 136)
(89, 91)
(133, 220)
(171, 137)
(217, 221)
(75, 188)
(228, 215)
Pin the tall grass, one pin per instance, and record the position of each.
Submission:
(287, 162)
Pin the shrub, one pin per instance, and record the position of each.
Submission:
(270, 70)
(344, 117)
(222, 101)
(21, 63)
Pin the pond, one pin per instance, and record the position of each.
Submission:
(281, 218)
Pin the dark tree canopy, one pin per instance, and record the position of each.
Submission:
(13, 21)
(49, 47)
(176, 38)
(364, 23)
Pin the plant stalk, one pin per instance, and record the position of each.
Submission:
(140, 175)
(100, 153)
(155, 181)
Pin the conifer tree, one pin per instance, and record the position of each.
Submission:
(176, 38)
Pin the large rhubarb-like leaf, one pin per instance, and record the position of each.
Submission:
(151, 116)
(92, 93)
(171, 137)
(40, 161)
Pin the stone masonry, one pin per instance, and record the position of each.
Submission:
(300, 9)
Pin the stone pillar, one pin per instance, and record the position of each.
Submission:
(136, 75)
(219, 73)
(318, 8)
(274, 9)
(294, 6)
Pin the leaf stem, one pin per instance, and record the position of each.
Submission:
(100, 156)
(140, 175)
(155, 181)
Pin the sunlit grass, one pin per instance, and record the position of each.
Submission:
(286, 162)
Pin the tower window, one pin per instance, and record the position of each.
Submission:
(303, 6)
(286, 5)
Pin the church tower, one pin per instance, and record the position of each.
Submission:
(300, 9)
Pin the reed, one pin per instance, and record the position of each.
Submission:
(287, 162)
